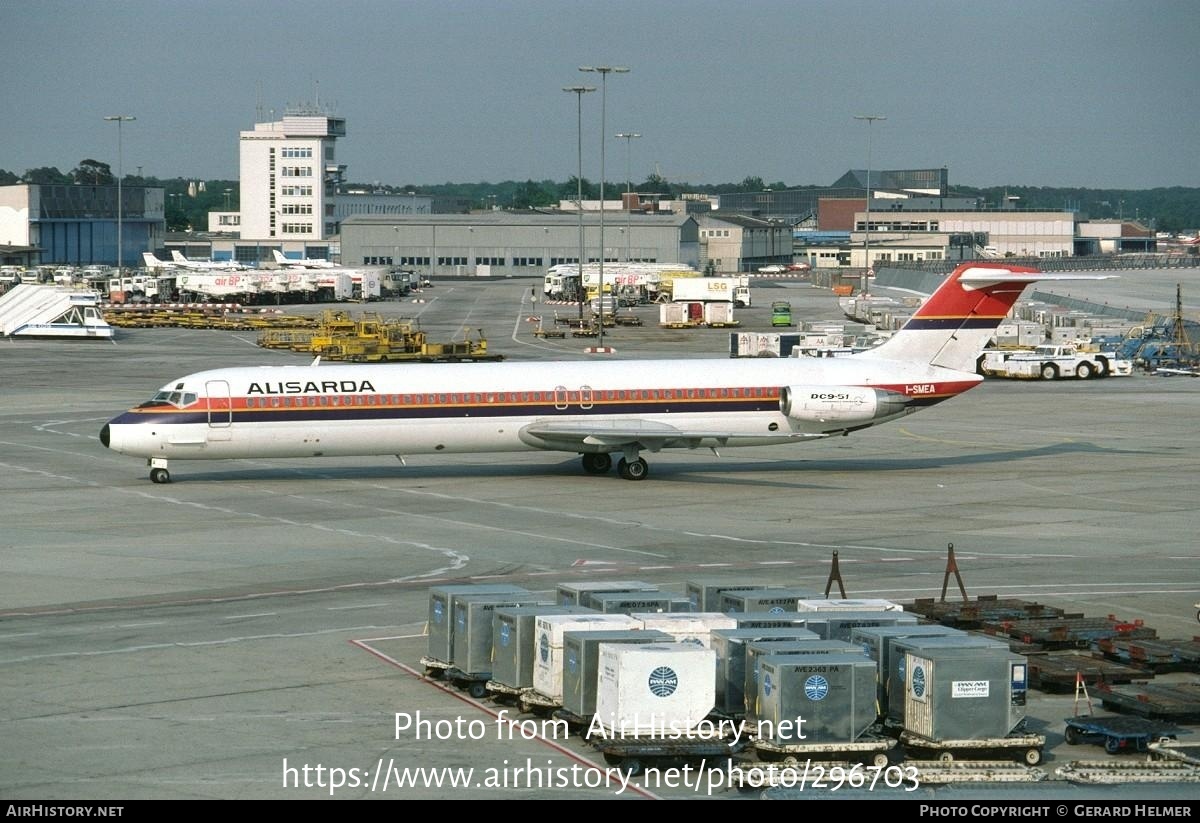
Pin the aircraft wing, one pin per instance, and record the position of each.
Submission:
(645, 434)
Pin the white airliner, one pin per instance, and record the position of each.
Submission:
(178, 258)
(154, 264)
(595, 409)
(302, 262)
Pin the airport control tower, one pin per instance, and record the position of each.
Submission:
(289, 176)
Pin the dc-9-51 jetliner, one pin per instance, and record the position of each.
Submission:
(596, 409)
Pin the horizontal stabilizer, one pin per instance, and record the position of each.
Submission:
(982, 278)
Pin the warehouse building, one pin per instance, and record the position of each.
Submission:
(512, 243)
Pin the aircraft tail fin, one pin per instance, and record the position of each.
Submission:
(151, 261)
(177, 256)
(960, 317)
(278, 255)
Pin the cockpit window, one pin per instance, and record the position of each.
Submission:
(178, 399)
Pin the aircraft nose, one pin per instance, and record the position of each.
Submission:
(104, 435)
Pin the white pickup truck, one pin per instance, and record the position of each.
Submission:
(1051, 362)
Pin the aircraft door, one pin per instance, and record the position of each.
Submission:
(220, 404)
(560, 397)
(585, 397)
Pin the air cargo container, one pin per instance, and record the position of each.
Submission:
(730, 647)
(654, 689)
(581, 658)
(473, 616)
(705, 593)
(763, 600)
(441, 613)
(548, 664)
(833, 694)
(576, 594)
(514, 632)
(687, 627)
(963, 693)
(759, 649)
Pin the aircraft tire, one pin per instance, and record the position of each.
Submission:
(597, 463)
(160, 476)
(633, 469)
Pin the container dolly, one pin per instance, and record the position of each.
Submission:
(1029, 746)
(1119, 733)
(870, 750)
(634, 754)
(474, 685)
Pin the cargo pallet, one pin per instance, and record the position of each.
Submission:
(984, 609)
(1119, 734)
(1028, 747)
(474, 685)
(1179, 702)
(973, 771)
(1059, 672)
(1111, 773)
(871, 750)
(1158, 656)
(1069, 633)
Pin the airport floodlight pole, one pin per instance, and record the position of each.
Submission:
(119, 119)
(870, 118)
(628, 136)
(579, 92)
(603, 71)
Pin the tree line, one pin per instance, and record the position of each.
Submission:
(188, 201)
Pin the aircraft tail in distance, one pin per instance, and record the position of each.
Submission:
(960, 318)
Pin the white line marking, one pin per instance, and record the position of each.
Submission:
(249, 616)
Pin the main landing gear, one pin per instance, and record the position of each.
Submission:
(630, 468)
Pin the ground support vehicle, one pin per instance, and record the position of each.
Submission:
(1119, 734)
(735, 290)
(1051, 362)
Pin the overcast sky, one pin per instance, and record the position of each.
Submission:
(1098, 94)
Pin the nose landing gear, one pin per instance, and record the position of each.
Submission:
(158, 470)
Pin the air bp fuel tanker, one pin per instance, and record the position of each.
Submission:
(599, 410)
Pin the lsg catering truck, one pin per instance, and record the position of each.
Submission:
(735, 290)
